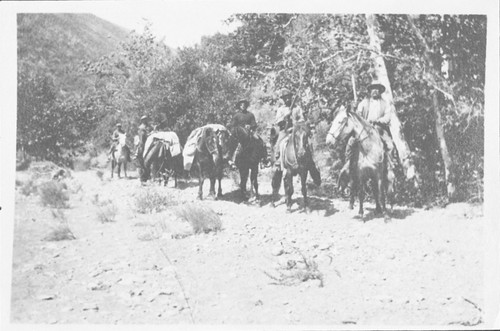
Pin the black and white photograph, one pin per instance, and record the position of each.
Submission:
(238, 165)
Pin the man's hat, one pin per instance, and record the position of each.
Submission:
(376, 85)
(245, 101)
(143, 118)
(285, 92)
(118, 124)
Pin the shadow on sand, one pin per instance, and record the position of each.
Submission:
(398, 214)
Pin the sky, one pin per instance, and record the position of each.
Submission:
(178, 25)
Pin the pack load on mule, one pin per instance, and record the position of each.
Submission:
(162, 154)
(119, 151)
(204, 154)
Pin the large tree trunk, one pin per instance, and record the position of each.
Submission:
(450, 186)
(380, 74)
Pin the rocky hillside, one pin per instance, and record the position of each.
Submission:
(58, 43)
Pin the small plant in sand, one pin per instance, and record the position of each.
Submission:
(28, 188)
(107, 213)
(99, 174)
(202, 218)
(296, 272)
(61, 231)
(54, 194)
(151, 200)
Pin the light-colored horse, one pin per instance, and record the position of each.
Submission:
(121, 155)
(296, 159)
(370, 157)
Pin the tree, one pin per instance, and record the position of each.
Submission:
(380, 74)
(447, 160)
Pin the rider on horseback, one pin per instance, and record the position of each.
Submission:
(245, 119)
(284, 122)
(287, 115)
(377, 112)
(143, 132)
(114, 139)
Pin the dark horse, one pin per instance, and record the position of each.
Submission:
(296, 159)
(253, 151)
(370, 159)
(160, 162)
(210, 151)
(121, 155)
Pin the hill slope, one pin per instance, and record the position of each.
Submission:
(57, 43)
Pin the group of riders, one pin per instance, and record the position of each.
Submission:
(373, 109)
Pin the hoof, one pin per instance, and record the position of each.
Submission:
(307, 210)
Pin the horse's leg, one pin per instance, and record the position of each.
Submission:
(119, 169)
(376, 194)
(288, 182)
(354, 189)
(361, 195)
(200, 183)
(244, 170)
(212, 187)
(303, 178)
(389, 187)
(219, 191)
(125, 169)
(112, 167)
(276, 184)
(253, 180)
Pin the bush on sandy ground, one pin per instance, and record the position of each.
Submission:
(107, 213)
(54, 194)
(298, 271)
(28, 188)
(151, 200)
(106, 209)
(100, 174)
(202, 218)
(61, 231)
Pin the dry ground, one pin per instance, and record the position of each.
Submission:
(422, 267)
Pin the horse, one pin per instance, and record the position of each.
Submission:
(369, 161)
(123, 157)
(253, 151)
(204, 155)
(163, 157)
(296, 159)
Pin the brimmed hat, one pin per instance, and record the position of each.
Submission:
(144, 118)
(285, 92)
(245, 101)
(376, 85)
(118, 124)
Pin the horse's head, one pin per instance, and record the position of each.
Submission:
(223, 142)
(122, 140)
(207, 143)
(301, 137)
(341, 126)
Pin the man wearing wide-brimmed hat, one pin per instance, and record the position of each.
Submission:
(245, 119)
(143, 132)
(284, 122)
(114, 138)
(377, 111)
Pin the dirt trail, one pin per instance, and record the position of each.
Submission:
(422, 267)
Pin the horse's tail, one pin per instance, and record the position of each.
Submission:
(127, 153)
(315, 174)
